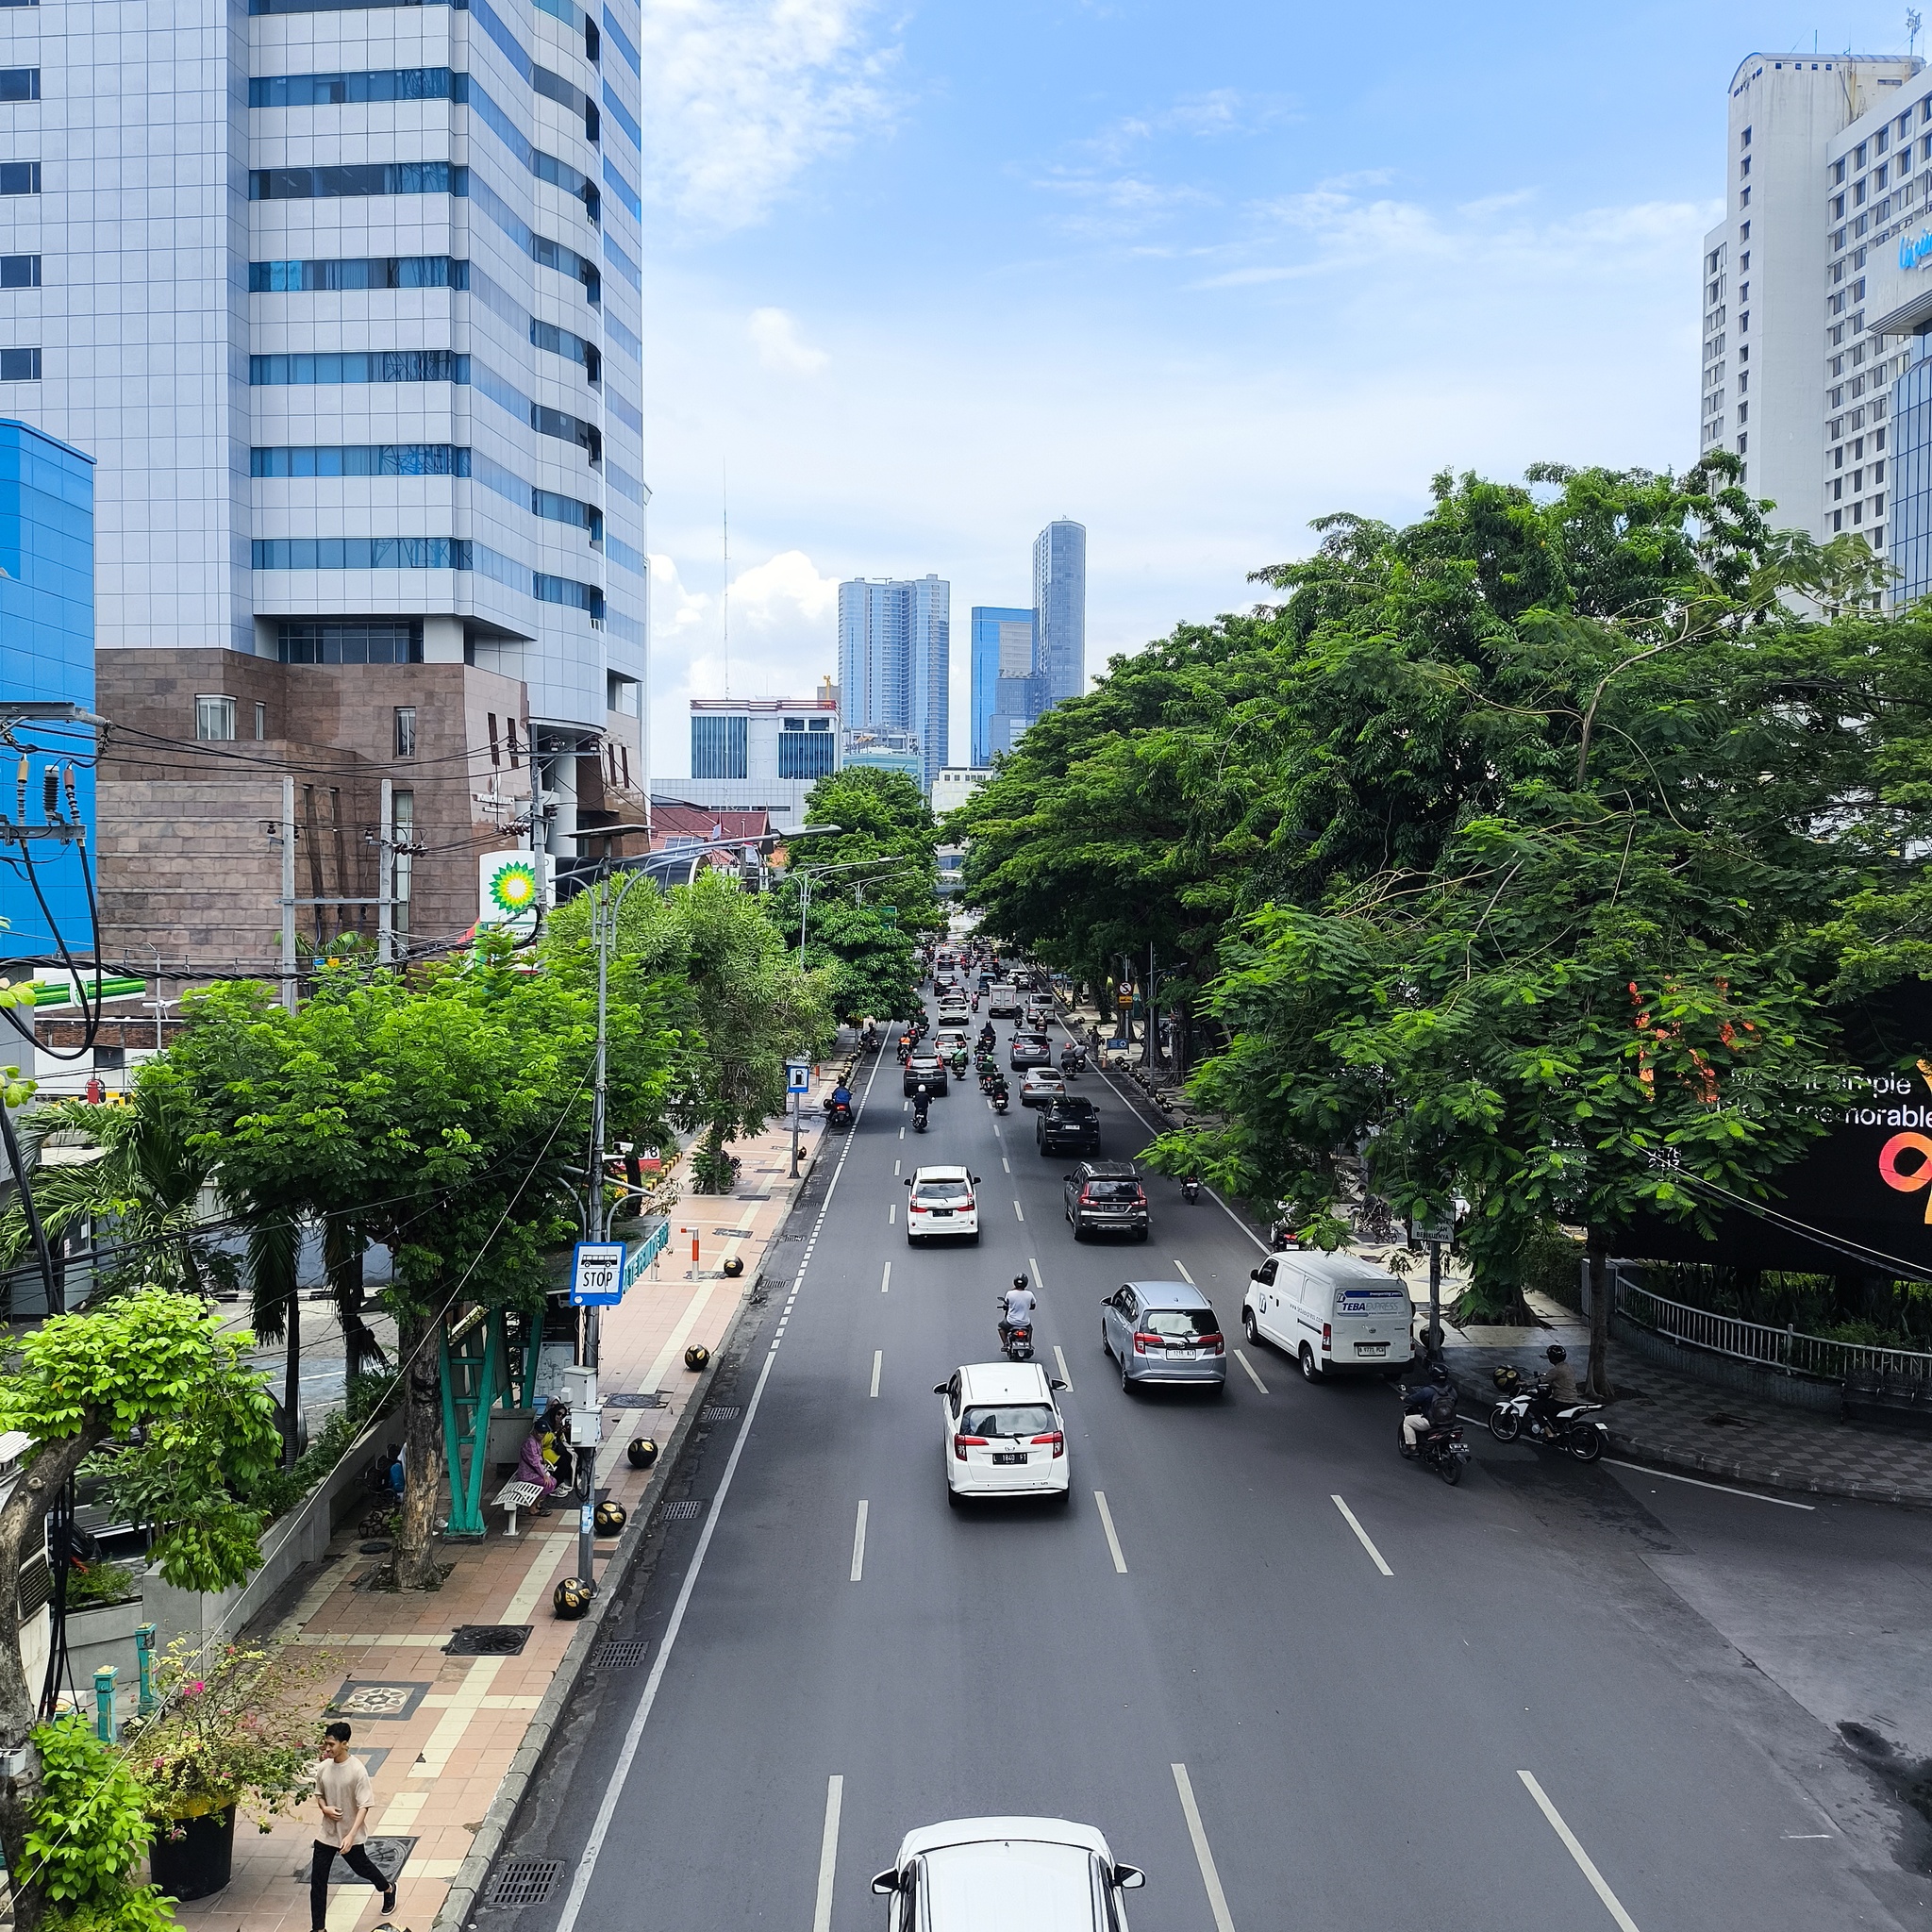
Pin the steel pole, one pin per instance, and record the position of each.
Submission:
(1435, 1342)
(289, 893)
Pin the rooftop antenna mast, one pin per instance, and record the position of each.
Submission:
(724, 496)
(1914, 21)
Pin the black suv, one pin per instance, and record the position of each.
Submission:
(1105, 1196)
(1068, 1125)
(925, 1069)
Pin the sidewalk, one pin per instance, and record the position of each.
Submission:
(1673, 1422)
(439, 1732)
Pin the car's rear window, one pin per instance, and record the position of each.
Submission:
(941, 1192)
(1029, 1039)
(1008, 1419)
(1112, 1190)
(1181, 1324)
(1072, 1108)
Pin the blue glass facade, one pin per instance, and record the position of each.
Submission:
(1912, 484)
(47, 654)
(1059, 598)
(894, 650)
(1004, 645)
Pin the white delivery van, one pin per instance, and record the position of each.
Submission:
(1003, 1002)
(1331, 1312)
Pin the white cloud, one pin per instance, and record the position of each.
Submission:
(775, 332)
(740, 96)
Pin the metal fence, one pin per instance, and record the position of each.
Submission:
(1778, 1348)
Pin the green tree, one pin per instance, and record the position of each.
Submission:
(148, 1361)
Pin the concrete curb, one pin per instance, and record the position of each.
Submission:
(1692, 1462)
(467, 1886)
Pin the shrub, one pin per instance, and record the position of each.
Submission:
(88, 1834)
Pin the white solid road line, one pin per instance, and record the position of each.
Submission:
(1018, 1210)
(1782, 1502)
(1217, 1899)
(1183, 1267)
(634, 1734)
(828, 1854)
(878, 1360)
(886, 1280)
(1065, 1376)
(859, 1545)
(1348, 1516)
(1250, 1368)
(1612, 1905)
(1114, 1542)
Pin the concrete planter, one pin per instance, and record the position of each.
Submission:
(1792, 1390)
(103, 1634)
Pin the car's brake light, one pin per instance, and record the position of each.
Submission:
(1328, 1336)
(914, 1208)
(1059, 1441)
(961, 1443)
(1144, 1342)
(1213, 1341)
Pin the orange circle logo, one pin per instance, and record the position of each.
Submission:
(1920, 1177)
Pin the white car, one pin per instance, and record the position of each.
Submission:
(1048, 1875)
(1004, 1435)
(940, 1204)
(1040, 1086)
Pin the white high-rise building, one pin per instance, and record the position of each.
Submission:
(345, 302)
(1826, 161)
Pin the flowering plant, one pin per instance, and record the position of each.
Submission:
(229, 1728)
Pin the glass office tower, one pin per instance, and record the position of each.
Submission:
(1059, 604)
(1005, 698)
(894, 657)
(47, 654)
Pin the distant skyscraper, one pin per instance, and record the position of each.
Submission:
(894, 653)
(1006, 697)
(1059, 606)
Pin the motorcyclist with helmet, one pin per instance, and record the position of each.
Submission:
(1556, 1390)
(1017, 1306)
(1430, 1404)
(922, 1101)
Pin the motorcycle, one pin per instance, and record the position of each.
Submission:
(999, 1100)
(1190, 1189)
(959, 1061)
(919, 1122)
(839, 1115)
(1441, 1450)
(1073, 1062)
(1574, 1428)
(1017, 1342)
(868, 1039)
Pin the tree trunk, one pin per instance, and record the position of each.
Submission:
(1599, 1388)
(292, 1382)
(415, 1554)
(22, 1531)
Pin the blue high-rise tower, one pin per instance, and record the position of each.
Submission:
(894, 662)
(1006, 695)
(1059, 605)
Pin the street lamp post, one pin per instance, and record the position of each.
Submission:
(807, 872)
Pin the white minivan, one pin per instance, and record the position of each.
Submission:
(1331, 1312)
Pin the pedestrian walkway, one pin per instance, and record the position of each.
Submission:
(1674, 1422)
(438, 1731)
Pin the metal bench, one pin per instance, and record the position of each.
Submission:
(512, 1497)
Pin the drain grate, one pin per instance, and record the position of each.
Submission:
(621, 1654)
(524, 1882)
(687, 1511)
(488, 1639)
(719, 1412)
(647, 1398)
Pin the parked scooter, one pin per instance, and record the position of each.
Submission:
(1574, 1428)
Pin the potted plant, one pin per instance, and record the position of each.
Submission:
(87, 1837)
(228, 1731)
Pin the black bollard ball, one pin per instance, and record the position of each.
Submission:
(642, 1452)
(696, 1356)
(571, 1598)
(611, 1516)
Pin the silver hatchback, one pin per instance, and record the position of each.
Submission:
(1163, 1331)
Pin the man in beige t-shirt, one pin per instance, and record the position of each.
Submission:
(345, 1792)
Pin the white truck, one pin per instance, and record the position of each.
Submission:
(1003, 1002)
(1331, 1312)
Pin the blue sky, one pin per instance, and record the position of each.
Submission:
(919, 278)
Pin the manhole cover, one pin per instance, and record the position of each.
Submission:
(742, 1234)
(720, 1412)
(524, 1882)
(686, 1511)
(388, 1855)
(1722, 1421)
(648, 1398)
(621, 1654)
(488, 1639)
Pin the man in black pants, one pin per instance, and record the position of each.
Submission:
(345, 1790)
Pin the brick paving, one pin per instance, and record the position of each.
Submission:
(461, 1719)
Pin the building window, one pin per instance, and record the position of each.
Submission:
(20, 178)
(359, 553)
(20, 271)
(406, 731)
(1743, 443)
(495, 749)
(1744, 198)
(368, 365)
(402, 814)
(260, 723)
(1838, 489)
(804, 755)
(19, 83)
(718, 748)
(818, 725)
(623, 761)
(19, 365)
(350, 640)
(1838, 521)
(358, 271)
(510, 735)
(1838, 171)
(374, 178)
(214, 719)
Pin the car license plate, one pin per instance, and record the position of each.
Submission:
(1371, 1348)
(1186, 1355)
(1010, 1456)
(942, 1213)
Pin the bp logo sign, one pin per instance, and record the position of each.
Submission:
(510, 892)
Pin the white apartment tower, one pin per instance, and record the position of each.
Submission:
(1825, 164)
(346, 301)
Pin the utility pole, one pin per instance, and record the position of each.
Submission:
(385, 879)
(289, 893)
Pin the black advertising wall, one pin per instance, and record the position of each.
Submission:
(1869, 1182)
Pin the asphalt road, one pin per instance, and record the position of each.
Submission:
(1527, 1692)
